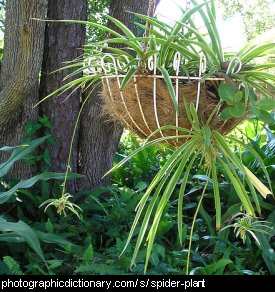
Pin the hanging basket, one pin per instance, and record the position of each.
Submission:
(145, 104)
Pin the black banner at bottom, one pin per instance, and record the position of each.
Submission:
(128, 282)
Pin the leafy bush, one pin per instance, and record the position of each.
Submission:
(13, 192)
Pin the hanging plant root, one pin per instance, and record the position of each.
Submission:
(135, 108)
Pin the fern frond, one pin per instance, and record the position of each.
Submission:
(12, 265)
(98, 269)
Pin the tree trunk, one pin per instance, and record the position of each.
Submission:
(99, 136)
(63, 42)
(24, 39)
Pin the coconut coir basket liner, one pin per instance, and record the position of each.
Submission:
(137, 110)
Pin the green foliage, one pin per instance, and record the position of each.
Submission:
(33, 129)
(246, 225)
(20, 232)
(18, 153)
(212, 269)
(92, 245)
(235, 101)
(257, 15)
(168, 185)
(88, 254)
(28, 183)
(97, 12)
(212, 150)
(2, 19)
(138, 172)
(98, 269)
(265, 246)
(252, 81)
(12, 265)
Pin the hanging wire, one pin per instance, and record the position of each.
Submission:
(151, 7)
(152, 64)
(202, 70)
(176, 66)
(150, 11)
(187, 7)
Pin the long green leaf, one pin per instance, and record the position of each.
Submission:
(23, 231)
(254, 53)
(19, 153)
(181, 196)
(89, 23)
(178, 26)
(123, 28)
(156, 23)
(169, 163)
(255, 154)
(238, 188)
(229, 155)
(213, 33)
(131, 72)
(150, 208)
(216, 197)
(25, 184)
(239, 164)
(170, 86)
(82, 80)
(162, 204)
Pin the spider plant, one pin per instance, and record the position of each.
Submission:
(246, 225)
(134, 52)
(238, 94)
(244, 84)
(212, 149)
(162, 42)
(61, 205)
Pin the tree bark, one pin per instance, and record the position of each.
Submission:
(63, 42)
(24, 39)
(99, 136)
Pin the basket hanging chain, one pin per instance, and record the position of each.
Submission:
(202, 70)
(187, 7)
(150, 11)
(176, 66)
(151, 7)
